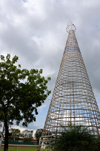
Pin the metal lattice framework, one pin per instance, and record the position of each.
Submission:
(73, 100)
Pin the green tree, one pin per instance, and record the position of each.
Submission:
(38, 134)
(27, 134)
(76, 139)
(15, 133)
(22, 91)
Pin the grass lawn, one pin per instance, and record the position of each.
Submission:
(20, 149)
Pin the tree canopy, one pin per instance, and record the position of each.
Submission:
(27, 133)
(14, 134)
(76, 139)
(22, 91)
(38, 134)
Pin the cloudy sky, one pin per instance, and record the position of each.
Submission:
(35, 30)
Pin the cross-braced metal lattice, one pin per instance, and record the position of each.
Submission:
(73, 101)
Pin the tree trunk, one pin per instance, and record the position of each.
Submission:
(6, 137)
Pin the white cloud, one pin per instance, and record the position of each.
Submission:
(18, 127)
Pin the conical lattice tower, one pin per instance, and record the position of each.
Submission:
(73, 100)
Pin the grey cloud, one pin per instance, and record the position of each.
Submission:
(35, 32)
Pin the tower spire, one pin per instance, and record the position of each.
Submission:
(71, 44)
(70, 27)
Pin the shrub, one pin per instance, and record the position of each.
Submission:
(76, 139)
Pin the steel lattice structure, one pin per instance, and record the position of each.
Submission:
(73, 100)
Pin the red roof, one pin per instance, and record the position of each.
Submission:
(34, 140)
